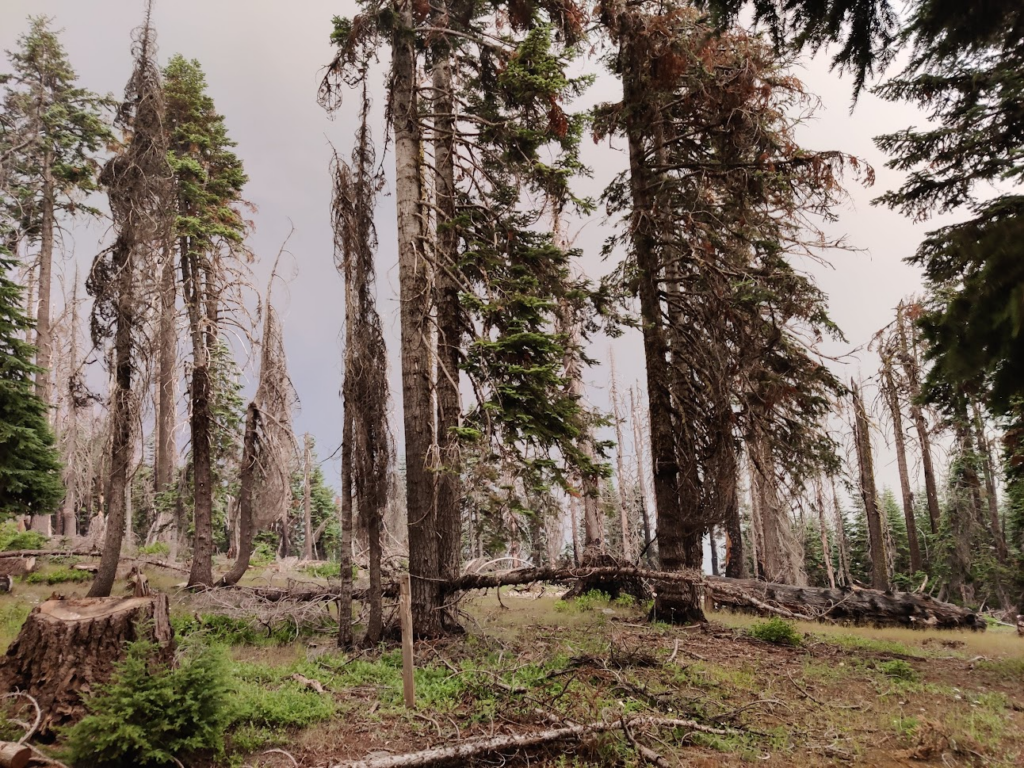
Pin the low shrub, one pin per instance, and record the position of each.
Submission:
(588, 601)
(150, 714)
(777, 631)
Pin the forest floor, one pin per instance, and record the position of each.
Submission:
(529, 661)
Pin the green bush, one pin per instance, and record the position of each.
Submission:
(898, 669)
(776, 631)
(585, 602)
(216, 627)
(11, 538)
(149, 714)
(158, 548)
(58, 576)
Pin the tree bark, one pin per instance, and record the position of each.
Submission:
(861, 606)
(641, 478)
(121, 401)
(865, 462)
(826, 549)
(67, 648)
(987, 466)
(424, 555)
(892, 398)
(44, 332)
(307, 509)
(449, 335)
(911, 367)
(165, 453)
(246, 481)
(627, 535)
(345, 555)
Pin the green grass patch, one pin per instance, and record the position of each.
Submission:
(60, 575)
(898, 669)
(858, 643)
(157, 548)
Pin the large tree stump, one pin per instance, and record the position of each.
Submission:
(67, 648)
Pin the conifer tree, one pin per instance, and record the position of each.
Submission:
(54, 131)
(208, 179)
(30, 482)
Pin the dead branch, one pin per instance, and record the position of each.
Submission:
(476, 747)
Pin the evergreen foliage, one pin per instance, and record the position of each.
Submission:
(30, 468)
(53, 131)
(149, 715)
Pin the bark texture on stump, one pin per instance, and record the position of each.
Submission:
(67, 648)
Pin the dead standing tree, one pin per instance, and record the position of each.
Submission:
(865, 464)
(138, 186)
(267, 447)
(367, 439)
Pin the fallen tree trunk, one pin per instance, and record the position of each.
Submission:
(67, 648)
(87, 553)
(14, 755)
(861, 606)
(530, 575)
(457, 754)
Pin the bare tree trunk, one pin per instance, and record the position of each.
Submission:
(826, 548)
(574, 516)
(641, 476)
(246, 481)
(446, 289)
(627, 536)
(69, 526)
(756, 547)
(714, 551)
(424, 555)
(892, 398)
(307, 508)
(121, 417)
(912, 367)
(844, 552)
(165, 453)
(345, 556)
(201, 422)
(44, 332)
(865, 462)
(985, 451)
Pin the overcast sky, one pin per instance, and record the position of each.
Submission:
(263, 61)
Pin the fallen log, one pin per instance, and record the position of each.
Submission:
(14, 755)
(529, 575)
(859, 606)
(87, 553)
(457, 754)
(67, 648)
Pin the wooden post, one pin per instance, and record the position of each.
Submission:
(405, 609)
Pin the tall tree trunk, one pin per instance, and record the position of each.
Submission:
(72, 486)
(307, 507)
(985, 452)
(424, 555)
(44, 332)
(246, 481)
(844, 551)
(892, 398)
(201, 423)
(165, 453)
(574, 516)
(912, 368)
(641, 477)
(345, 555)
(627, 536)
(865, 463)
(446, 288)
(121, 415)
(714, 551)
(826, 548)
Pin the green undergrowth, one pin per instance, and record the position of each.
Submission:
(229, 630)
(58, 575)
(776, 631)
(11, 538)
(157, 549)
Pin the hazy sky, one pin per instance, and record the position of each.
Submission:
(263, 60)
